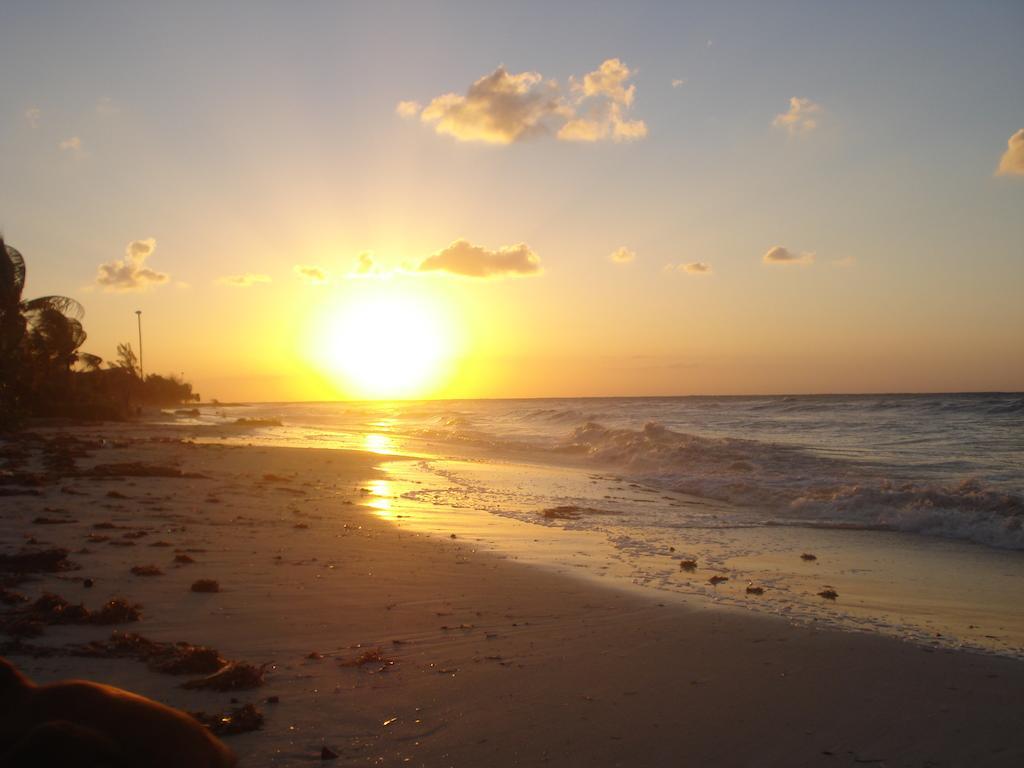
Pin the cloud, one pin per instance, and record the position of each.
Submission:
(464, 258)
(32, 114)
(74, 144)
(802, 116)
(313, 275)
(365, 263)
(130, 273)
(243, 281)
(603, 107)
(504, 107)
(679, 82)
(408, 109)
(1012, 161)
(779, 255)
(696, 268)
(622, 255)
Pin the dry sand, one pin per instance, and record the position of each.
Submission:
(488, 662)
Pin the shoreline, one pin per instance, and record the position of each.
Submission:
(498, 662)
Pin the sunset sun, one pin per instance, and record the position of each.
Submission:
(385, 346)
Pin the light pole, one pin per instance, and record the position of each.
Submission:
(138, 314)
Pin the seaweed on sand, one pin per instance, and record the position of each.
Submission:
(146, 570)
(370, 656)
(235, 675)
(37, 561)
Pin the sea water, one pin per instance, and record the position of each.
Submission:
(910, 507)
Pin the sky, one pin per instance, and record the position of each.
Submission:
(466, 199)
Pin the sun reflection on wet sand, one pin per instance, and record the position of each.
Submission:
(380, 502)
(375, 442)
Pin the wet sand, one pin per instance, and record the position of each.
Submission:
(483, 660)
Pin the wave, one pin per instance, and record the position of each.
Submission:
(783, 484)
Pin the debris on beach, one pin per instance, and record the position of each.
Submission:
(49, 609)
(116, 611)
(184, 559)
(146, 570)
(37, 561)
(53, 521)
(372, 656)
(808, 557)
(234, 676)
(828, 593)
(205, 585)
(688, 565)
(716, 580)
(754, 590)
(328, 754)
(239, 720)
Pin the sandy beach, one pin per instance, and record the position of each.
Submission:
(392, 647)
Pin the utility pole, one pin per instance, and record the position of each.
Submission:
(138, 314)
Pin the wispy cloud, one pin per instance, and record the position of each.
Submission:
(32, 115)
(679, 82)
(802, 116)
(74, 144)
(695, 268)
(243, 281)
(1012, 161)
(131, 273)
(622, 255)
(311, 274)
(504, 107)
(464, 258)
(783, 256)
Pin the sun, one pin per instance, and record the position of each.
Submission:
(384, 346)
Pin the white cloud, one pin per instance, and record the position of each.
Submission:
(802, 116)
(408, 109)
(696, 268)
(1012, 161)
(32, 115)
(311, 274)
(243, 281)
(74, 144)
(503, 107)
(779, 255)
(622, 255)
(130, 273)
(464, 258)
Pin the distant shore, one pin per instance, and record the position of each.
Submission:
(387, 645)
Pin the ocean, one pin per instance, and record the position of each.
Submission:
(913, 505)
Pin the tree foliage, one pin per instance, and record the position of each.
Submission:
(44, 373)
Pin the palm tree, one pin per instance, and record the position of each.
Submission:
(39, 338)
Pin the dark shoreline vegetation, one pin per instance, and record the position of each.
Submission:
(44, 373)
